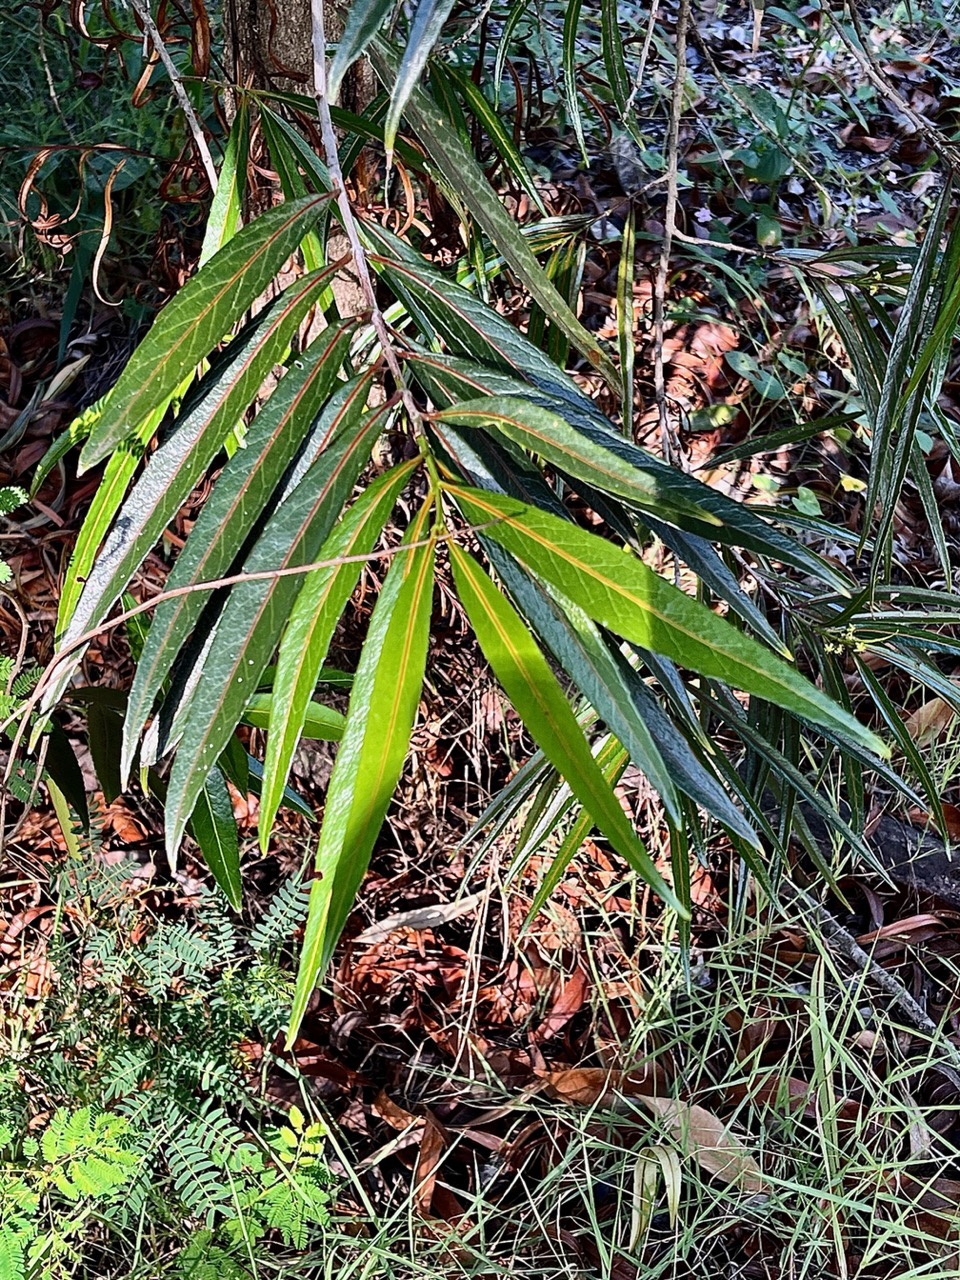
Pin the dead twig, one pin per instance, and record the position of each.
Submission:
(142, 10)
(668, 436)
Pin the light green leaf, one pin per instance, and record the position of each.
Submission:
(255, 612)
(226, 208)
(428, 19)
(383, 707)
(243, 490)
(307, 635)
(618, 590)
(536, 695)
(215, 830)
(197, 318)
(318, 722)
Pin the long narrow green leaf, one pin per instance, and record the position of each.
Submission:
(463, 173)
(610, 761)
(243, 490)
(619, 591)
(495, 130)
(428, 19)
(579, 648)
(571, 94)
(255, 613)
(307, 635)
(536, 695)
(178, 464)
(383, 707)
(546, 433)
(626, 339)
(192, 324)
(611, 43)
(225, 211)
(365, 19)
(451, 380)
(620, 697)
(111, 491)
(215, 830)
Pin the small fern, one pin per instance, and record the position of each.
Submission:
(11, 497)
(286, 912)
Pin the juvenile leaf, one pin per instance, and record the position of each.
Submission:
(215, 829)
(307, 635)
(619, 591)
(255, 613)
(179, 463)
(383, 707)
(244, 489)
(225, 211)
(534, 691)
(428, 20)
(197, 319)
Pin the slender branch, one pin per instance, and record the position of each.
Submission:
(347, 217)
(864, 55)
(668, 437)
(844, 944)
(233, 580)
(142, 10)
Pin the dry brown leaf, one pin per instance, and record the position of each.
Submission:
(706, 1139)
(585, 1086)
(433, 1143)
(930, 721)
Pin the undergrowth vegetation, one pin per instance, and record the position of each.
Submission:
(592, 344)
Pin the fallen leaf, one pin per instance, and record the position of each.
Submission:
(707, 1140)
(585, 1086)
(930, 721)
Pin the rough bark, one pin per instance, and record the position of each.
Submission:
(269, 46)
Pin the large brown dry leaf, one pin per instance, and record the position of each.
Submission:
(930, 721)
(585, 1086)
(707, 1140)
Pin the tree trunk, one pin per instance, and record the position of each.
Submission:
(269, 46)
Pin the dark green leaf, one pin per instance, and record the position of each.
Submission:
(202, 312)
(215, 830)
